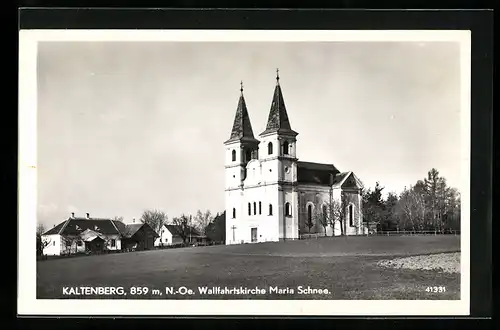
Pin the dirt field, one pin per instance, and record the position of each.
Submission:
(324, 268)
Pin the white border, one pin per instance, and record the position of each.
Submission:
(29, 305)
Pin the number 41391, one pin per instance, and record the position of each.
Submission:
(435, 289)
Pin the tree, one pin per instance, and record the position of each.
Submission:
(184, 226)
(41, 243)
(373, 205)
(216, 230)
(411, 210)
(390, 221)
(336, 213)
(309, 222)
(321, 216)
(436, 191)
(118, 218)
(155, 219)
(202, 220)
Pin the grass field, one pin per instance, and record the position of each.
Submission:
(345, 266)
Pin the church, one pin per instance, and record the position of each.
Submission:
(272, 196)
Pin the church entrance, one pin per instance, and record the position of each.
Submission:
(254, 235)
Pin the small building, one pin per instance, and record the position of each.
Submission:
(138, 237)
(175, 235)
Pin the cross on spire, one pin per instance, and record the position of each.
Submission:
(277, 75)
(241, 86)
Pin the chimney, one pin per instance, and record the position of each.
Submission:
(133, 220)
(72, 215)
(88, 215)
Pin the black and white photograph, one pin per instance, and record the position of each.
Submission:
(321, 172)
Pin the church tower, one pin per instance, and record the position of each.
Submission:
(279, 166)
(241, 147)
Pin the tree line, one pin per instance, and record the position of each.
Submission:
(428, 205)
(202, 223)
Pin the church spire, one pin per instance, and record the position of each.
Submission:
(242, 128)
(278, 118)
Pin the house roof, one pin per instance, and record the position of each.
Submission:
(316, 173)
(75, 226)
(131, 229)
(277, 120)
(90, 235)
(176, 229)
(242, 128)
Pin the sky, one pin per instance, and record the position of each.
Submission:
(128, 126)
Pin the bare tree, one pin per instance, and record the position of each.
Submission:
(184, 225)
(41, 242)
(411, 210)
(335, 213)
(202, 220)
(321, 216)
(40, 229)
(69, 242)
(154, 218)
(118, 218)
(309, 222)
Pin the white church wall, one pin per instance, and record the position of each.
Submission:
(233, 200)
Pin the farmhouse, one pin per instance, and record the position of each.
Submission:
(80, 235)
(175, 234)
(136, 236)
(271, 195)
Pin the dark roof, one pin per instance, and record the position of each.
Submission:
(242, 128)
(175, 229)
(278, 118)
(122, 228)
(339, 177)
(56, 229)
(74, 226)
(131, 229)
(316, 173)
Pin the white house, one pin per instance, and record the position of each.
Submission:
(270, 194)
(171, 235)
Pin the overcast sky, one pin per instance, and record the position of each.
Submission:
(125, 127)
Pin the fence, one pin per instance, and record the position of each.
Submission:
(416, 232)
(391, 233)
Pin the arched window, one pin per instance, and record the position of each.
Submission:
(286, 147)
(270, 148)
(351, 215)
(234, 213)
(249, 209)
(309, 213)
(233, 155)
(248, 155)
(270, 209)
(324, 212)
(288, 209)
(260, 207)
(254, 208)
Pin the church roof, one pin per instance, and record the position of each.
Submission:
(347, 178)
(316, 173)
(278, 118)
(242, 128)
